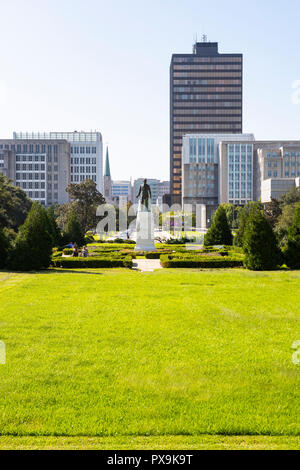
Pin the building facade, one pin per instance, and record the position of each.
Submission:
(205, 97)
(86, 153)
(201, 167)
(40, 167)
(122, 189)
(271, 160)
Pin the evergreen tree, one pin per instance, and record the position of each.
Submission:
(242, 221)
(33, 245)
(292, 248)
(260, 244)
(53, 227)
(220, 232)
(73, 230)
(4, 248)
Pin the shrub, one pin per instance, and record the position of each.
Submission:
(200, 262)
(33, 246)
(242, 221)
(292, 249)
(4, 248)
(80, 263)
(260, 244)
(220, 232)
(73, 231)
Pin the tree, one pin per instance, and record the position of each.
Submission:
(33, 246)
(285, 221)
(291, 197)
(292, 249)
(73, 230)
(232, 214)
(53, 229)
(242, 220)
(220, 232)
(86, 198)
(14, 204)
(4, 248)
(260, 244)
(272, 211)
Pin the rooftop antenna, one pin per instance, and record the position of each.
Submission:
(204, 38)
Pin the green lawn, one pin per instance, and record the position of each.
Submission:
(168, 356)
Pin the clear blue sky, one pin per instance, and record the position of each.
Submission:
(95, 64)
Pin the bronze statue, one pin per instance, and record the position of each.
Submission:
(145, 191)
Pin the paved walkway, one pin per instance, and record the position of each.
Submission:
(146, 265)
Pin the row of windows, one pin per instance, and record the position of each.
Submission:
(209, 186)
(202, 177)
(30, 148)
(207, 119)
(30, 158)
(196, 80)
(243, 167)
(286, 154)
(237, 148)
(240, 195)
(198, 60)
(203, 95)
(83, 161)
(83, 169)
(200, 127)
(240, 158)
(83, 150)
(207, 112)
(32, 185)
(240, 177)
(287, 174)
(77, 178)
(211, 104)
(199, 88)
(30, 176)
(30, 166)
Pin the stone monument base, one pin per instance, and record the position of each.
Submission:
(145, 232)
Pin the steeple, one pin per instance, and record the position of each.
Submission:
(107, 167)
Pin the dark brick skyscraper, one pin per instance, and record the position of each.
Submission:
(205, 97)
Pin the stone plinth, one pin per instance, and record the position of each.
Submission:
(145, 232)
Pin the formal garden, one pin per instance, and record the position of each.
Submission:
(195, 355)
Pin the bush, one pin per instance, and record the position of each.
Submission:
(220, 232)
(260, 244)
(242, 221)
(80, 263)
(73, 231)
(4, 248)
(33, 246)
(292, 249)
(200, 262)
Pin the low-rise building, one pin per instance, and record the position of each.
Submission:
(40, 167)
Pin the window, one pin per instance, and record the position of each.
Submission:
(275, 174)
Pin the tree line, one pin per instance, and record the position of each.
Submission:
(269, 234)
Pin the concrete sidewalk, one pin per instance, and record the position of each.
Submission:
(146, 265)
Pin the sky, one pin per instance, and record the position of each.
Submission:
(103, 65)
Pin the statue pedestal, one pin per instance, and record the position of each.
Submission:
(145, 232)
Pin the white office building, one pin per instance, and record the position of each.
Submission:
(86, 160)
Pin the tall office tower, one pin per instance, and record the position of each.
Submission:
(86, 153)
(205, 97)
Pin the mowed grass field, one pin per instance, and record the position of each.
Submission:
(118, 356)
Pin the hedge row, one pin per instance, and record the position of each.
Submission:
(200, 262)
(79, 263)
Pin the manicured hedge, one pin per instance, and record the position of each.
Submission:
(168, 261)
(79, 263)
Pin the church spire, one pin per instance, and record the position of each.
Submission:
(107, 167)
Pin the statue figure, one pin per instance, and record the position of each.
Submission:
(145, 192)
